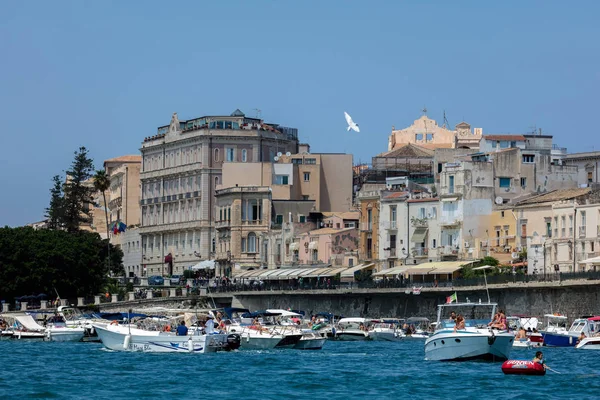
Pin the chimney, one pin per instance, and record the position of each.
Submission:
(304, 148)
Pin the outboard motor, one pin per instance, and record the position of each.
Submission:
(234, 341)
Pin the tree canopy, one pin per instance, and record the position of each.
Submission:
(45, 260)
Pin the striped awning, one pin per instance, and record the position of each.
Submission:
(348, 274)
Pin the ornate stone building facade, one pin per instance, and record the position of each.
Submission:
(425, 132)
(181, 169)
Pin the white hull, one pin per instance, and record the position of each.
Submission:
(29, 335)
(447, 345)
(352, 335)
(590, 343)
(387, 336)
(118, 338)
(310, 343)
(65, 334)
(420, 336)
(253, 339)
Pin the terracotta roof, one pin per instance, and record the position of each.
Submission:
(327, 231)
(343, 215)
(422, 200)
(408, 150)
(555, 195)
(396, 195)
(433, 146)
(519, 138)
(124, 159)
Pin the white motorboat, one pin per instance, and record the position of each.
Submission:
(56, 330)
(126, 338)
(417, 328)
(475, 341)
(291, 324)
(591, 342)
(254, 336)
(353, 329)
(387, 329)
(74, 318)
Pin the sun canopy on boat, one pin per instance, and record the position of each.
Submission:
(284, 313)
(262, 313)
(28, 322)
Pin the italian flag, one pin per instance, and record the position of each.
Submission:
(451, 298)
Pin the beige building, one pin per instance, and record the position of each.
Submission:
(182, 165)
(124, 193)
(243, 220)
(123, 199)
(426, 132)
(325, 179)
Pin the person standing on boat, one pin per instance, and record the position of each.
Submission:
(182, 330)
(452, 317)
(209, 326)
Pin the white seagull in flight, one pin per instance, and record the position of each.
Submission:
(351, 124)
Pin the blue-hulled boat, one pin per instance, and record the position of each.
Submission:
(586, 326)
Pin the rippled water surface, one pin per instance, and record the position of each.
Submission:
(366, 370)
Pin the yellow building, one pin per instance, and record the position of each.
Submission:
(501, 240)
(369, 205)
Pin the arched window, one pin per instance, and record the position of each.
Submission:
(216, 157)
(252, 242)
(216, 181)
(244, 155)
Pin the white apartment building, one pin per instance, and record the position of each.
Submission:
(181, 169)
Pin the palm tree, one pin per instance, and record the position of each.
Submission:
(101, 184)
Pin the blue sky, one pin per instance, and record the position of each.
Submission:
(106, 74)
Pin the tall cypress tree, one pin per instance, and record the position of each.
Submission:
(79, 191)
(55, 211)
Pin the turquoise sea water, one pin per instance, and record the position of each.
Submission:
(365, 370)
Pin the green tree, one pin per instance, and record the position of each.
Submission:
(55, 211)
(101, 184)
(78, 192)
(46, 260)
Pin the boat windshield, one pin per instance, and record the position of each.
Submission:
(477, 315)
(578, 325)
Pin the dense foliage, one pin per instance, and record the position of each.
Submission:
(78, 200)
(42, 261)
(55, 211)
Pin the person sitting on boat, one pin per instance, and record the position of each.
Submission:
(209, 325)
(182, 330)
(500, 321)
(539, 358)
(460, 323)
(521, 335)
(581, 337)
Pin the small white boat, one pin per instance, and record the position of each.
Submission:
(353, 329)
(56, 330)
(591, 342)
(257, 335)
(387, 329)
(475, 341)
(530, 325)
(126, 338)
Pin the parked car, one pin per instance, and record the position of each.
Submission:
(156, 280)
(176, 279)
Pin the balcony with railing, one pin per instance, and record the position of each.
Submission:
(222, 224)
(419, 222)
(450, 220)
(448, 251)
(390, 225)
(253, 222)
(366, 226)
(391, 252)
(582, 231)
(419, 252)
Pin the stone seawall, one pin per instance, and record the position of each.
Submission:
(573, 300)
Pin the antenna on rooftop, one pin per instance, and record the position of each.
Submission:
(446, 123)
(257, 113)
